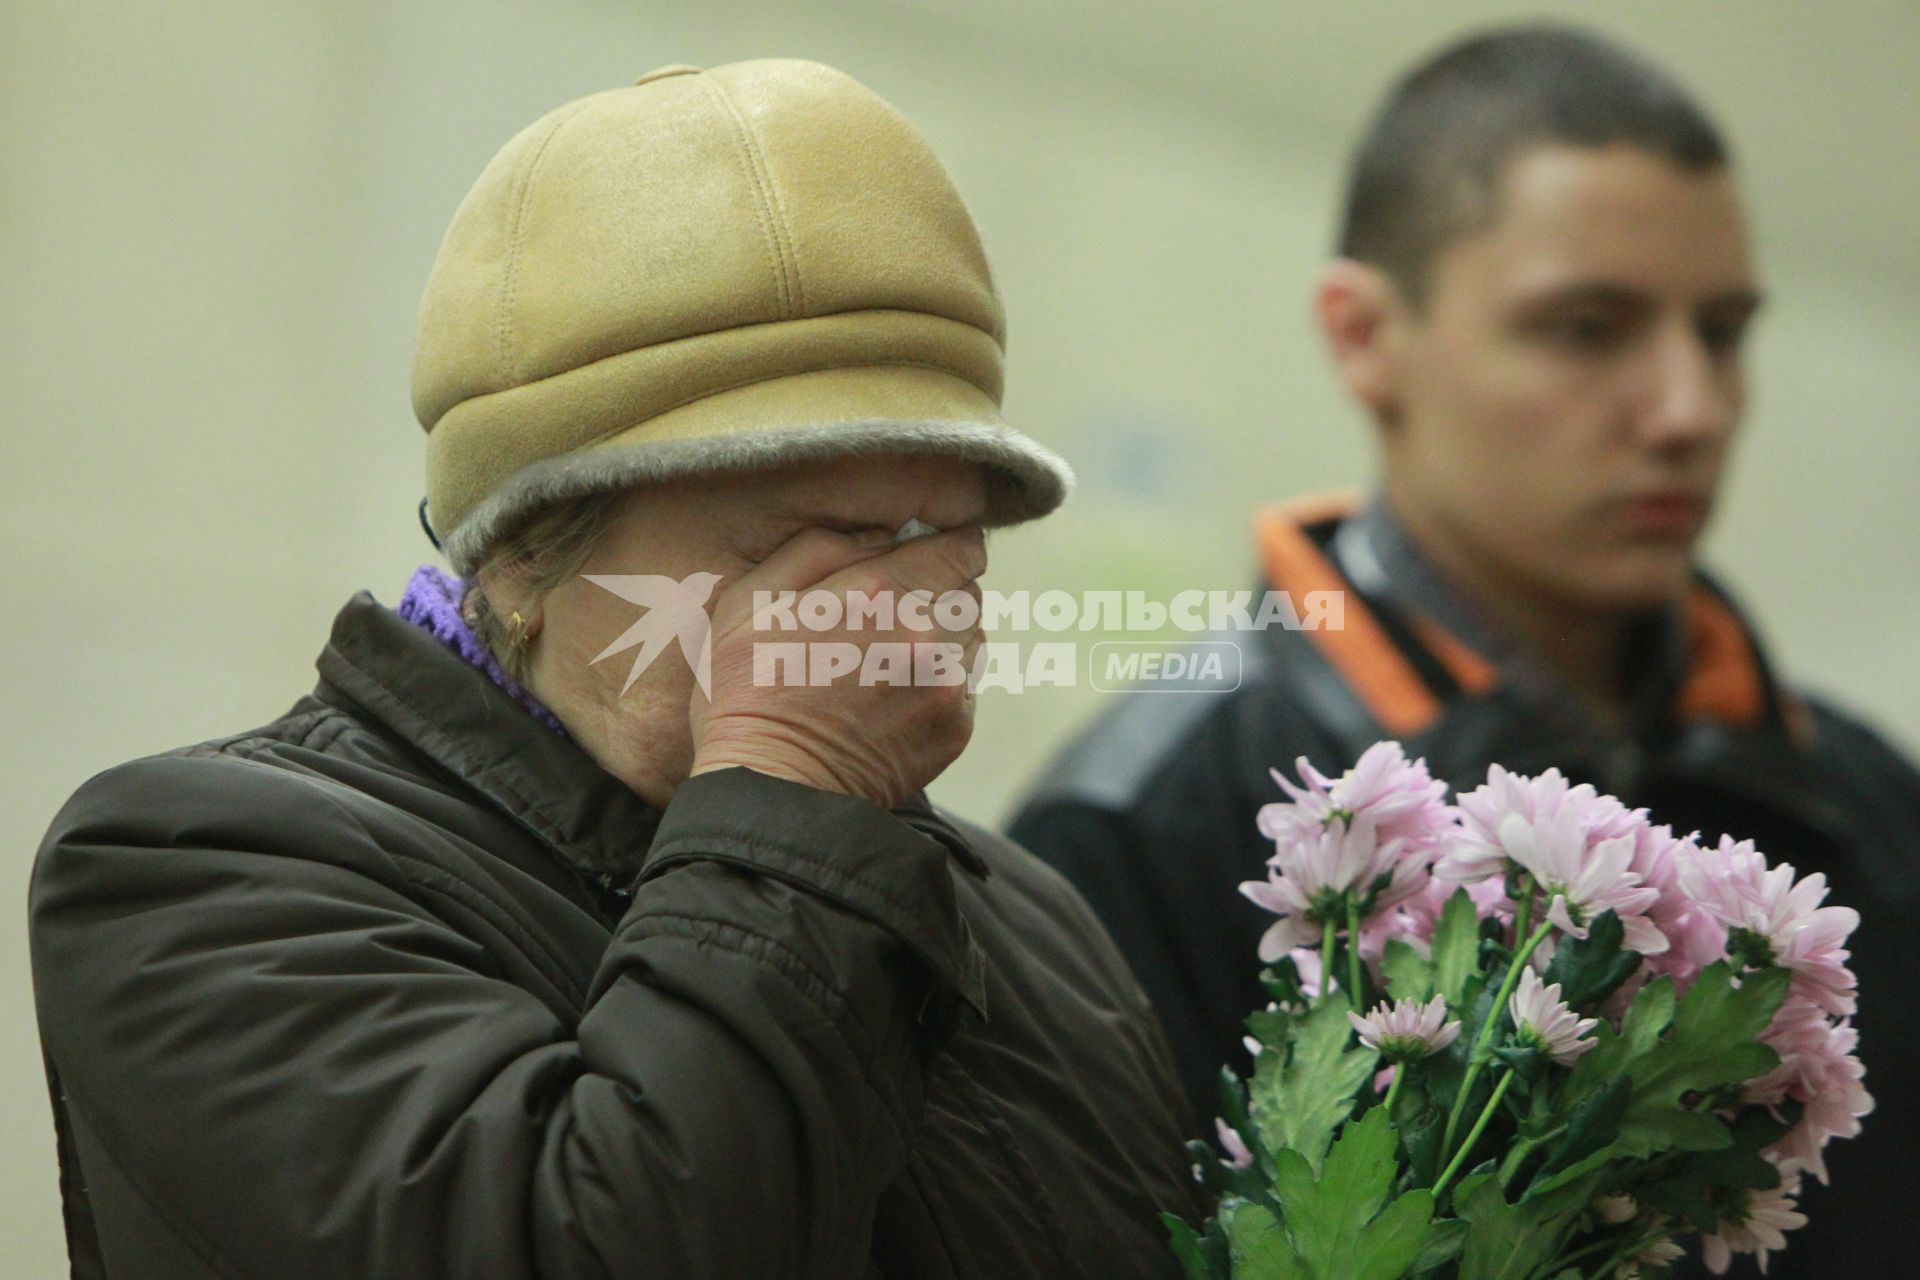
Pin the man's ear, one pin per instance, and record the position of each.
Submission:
(1363, 319)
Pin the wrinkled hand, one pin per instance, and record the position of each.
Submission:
(882, 742)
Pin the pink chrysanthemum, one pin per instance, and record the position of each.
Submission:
(1541, 1020)
(1771, 918)
(1364, 840)
(1406, 1030)
(1758, 1227)
(1311, 878)
(1238, 1157)
(1695, 939)
(1410, 920)
(1818, 1069)
(1579, 847)
(1474, 852)
(1399, 795)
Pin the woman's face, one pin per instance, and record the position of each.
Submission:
(635, 723)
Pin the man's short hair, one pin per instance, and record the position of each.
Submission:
(1425, 173)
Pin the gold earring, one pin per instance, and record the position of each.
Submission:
(516, 630)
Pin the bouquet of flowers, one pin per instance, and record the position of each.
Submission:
(1530, 1035)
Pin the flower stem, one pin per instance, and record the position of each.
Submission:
(1326, 961)
(1621, 1252)
(1353, 951)
(1523, 910)
(1393, 1089)
(1481, 1046)
(1473, 1135)
(1521, 1150)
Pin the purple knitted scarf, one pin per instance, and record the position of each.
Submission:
(432, 601)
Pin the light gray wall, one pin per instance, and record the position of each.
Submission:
(215, 221)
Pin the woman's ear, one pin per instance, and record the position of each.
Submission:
(495, 595)
(1362, 317)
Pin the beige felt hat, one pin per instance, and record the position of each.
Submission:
(719, 269)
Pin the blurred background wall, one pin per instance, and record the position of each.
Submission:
(215, 220)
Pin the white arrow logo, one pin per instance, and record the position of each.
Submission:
(675, 609)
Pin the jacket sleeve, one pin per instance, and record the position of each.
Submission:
(290, 1067)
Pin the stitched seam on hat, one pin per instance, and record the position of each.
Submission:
(782, 224)
(516, 238)
(769, 224)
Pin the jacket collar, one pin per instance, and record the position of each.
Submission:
(394, 672)
(1702, 660)
(448, 710)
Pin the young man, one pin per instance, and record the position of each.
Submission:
(1540, 296)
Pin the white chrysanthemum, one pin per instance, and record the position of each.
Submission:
(1406, 1030)
(1540, 1019)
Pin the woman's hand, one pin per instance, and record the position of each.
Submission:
(883, 742)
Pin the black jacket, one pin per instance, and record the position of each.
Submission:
(404, 985)
(1150, 812)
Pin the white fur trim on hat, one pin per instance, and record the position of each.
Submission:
(1033, 480)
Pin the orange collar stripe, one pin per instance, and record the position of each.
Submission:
(1473, 673)
(1363, 653)
(1723, 676)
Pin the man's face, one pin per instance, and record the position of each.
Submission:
(1559, 413)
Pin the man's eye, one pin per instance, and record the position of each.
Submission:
(1723, 337)
(1586, 332)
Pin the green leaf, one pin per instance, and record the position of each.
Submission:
(1390, 1244)
(1590, 969)
(1409, 975)
(1259, 1246)
(1456, 948)
(1676, 1051)
(1222, 1179)
(1233, 1098)
(1441, 1245)
(1282, 981)
(1687, 1186)
(1548, 1183)
(1191, 1250)
(1591, 1125)
(1335, 1222)
(1420, 1134)
(1299, 1097)
(1650, 1014)
(1324, 1214)
(1271, 1027)
(1507, 1241)
(1713, 1043)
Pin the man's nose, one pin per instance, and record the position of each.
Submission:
(1694, 394)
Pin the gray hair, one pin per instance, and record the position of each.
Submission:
(537, 556)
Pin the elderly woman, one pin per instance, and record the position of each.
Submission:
(527, 947)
